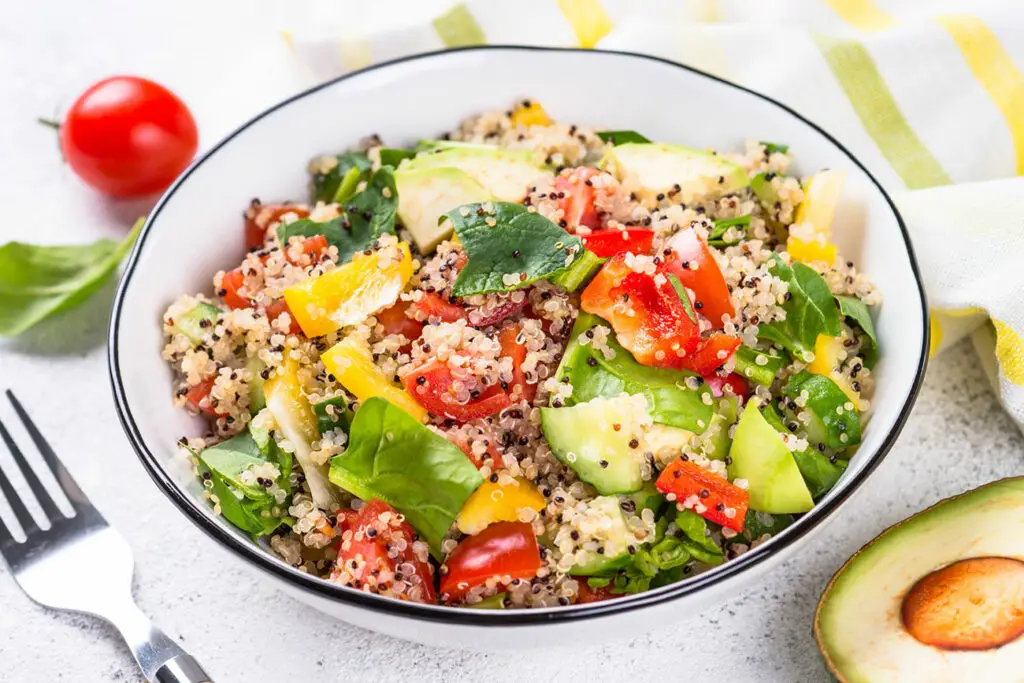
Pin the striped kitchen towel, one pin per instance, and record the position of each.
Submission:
(929, 95)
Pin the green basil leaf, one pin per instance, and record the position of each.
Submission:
(508, 247)
(394, 457)
(393, 157)
(37, 282)
(621, 137)
(810, 311)
(370, 214)
(857, 310)
(325, 185)
(591, 375)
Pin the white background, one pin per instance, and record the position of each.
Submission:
(227, 60)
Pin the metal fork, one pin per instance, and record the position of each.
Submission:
(81, 564)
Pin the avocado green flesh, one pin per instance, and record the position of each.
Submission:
(505, 173)
(583, 437)
(659, 167)
(758, 455)
(858, 624)
(424, 195)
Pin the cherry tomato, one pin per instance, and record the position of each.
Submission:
(576, 197)
(312, 247)
(502, 549)
(396, 321)
(259, 217)
(608, 243)
(646, 313)
(435, 306)
(364, 560)
(431, 386)
(519, 389)
(198, 396)
(730, 384)
(697, 269)
(462, 441)
(710, 354)
(230, 285)
(715, 495)
(586, 594)
(275, 310)
(128, 136)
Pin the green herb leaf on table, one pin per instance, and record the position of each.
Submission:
(856, 310)
(369, 214)
(39, 281)
(325, 186)
(421, 474)
(810, 311)
(621, 137)
(508, 247)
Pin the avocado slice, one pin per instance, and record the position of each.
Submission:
(659, 167)
(505, 173)
(758, 455)
(601, 440)
(936, 597)
(425, 194)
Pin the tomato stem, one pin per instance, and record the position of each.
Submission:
(49, 122)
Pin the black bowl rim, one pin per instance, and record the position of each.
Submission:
(463, 617)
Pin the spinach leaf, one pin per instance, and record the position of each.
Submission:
(757, 524)
(857, 310)
(621, 137)
(773, 147)
(370, 214)
(325, 185)
(508, 247)
(338, 416)
(747, 365)
(393, 457)
(715, 238)
(591, 375)
(37, 281)
(695, 528)
(393, 157)
(274, 453)
(810, 311)
(819, 472)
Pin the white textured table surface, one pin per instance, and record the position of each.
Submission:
(227, 61)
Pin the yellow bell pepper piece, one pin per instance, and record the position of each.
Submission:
(351, 363)
(532, 115)
(495, 502)
(826, 360)
(807, 252)
(349, 293)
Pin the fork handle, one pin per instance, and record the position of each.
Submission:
(161, 659)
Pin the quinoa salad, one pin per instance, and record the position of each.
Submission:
(528, 363)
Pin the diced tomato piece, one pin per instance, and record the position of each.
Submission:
(311, 247)
(647, 315)
(502, 549)
(730, 384)
(347, 521)
(433, 305)
(716, 497)
(396, 321)
(464, 445)
(201, 391)
(278, 307)
(576, 198)
(229, 286)
(697, 269)
(608, 243)
(259, 217)
(364, 562)
(711, 354)
(431, 386)
(519, 388)
(585, 594)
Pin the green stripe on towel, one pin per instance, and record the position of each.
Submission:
(457, 27)
(871, 99)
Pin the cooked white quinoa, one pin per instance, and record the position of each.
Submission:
(241, 343)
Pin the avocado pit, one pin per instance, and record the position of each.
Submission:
(971, 604)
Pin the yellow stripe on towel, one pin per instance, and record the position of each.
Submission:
(862, 14)
(1010, 352)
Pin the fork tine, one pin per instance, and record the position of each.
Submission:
(64, 478)
(50, 509)
(21, 513)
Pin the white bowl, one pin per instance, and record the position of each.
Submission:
(195, 230)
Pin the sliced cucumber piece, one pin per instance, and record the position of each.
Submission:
(195, 323)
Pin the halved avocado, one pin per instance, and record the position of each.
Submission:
(658, 168)
(424, 195)
(937, 597)
(505, 173)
